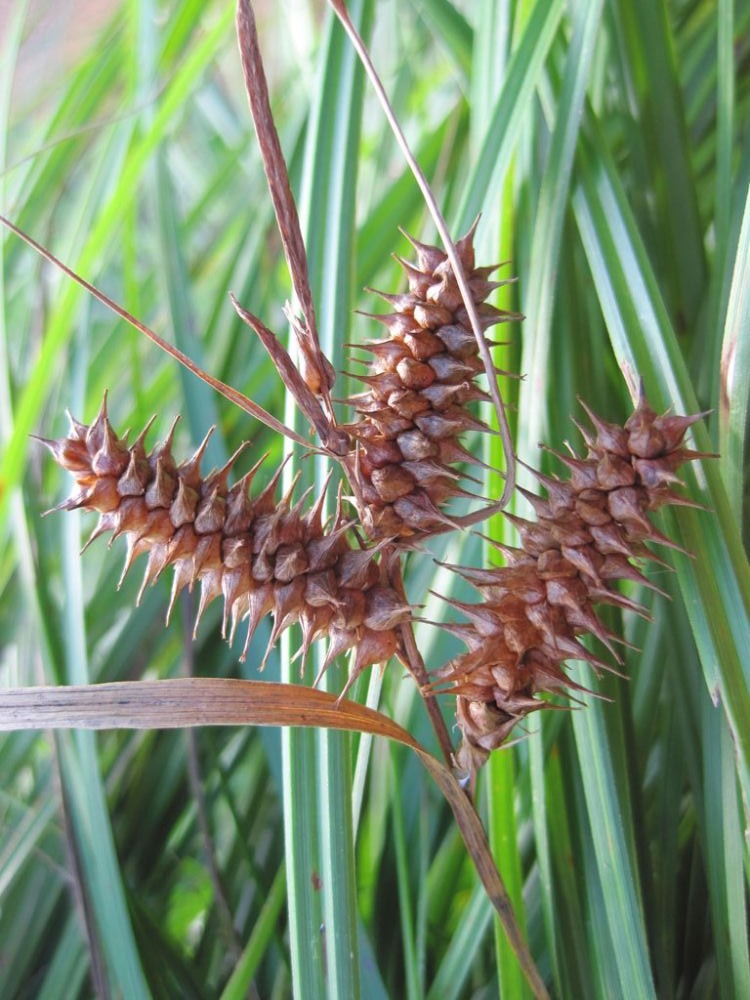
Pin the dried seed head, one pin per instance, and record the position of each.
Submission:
(259, 553)
(419, 384)
(534, 609)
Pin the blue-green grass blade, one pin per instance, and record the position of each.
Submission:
(200, 399)
(509, 115)
(372, 985)
(449, 981)
(327, 218)
(541, 286)
(662, 133)
(629, 964)
(244, 972)
(451, 27)
(85, 794)
(501, 777)
(731, 186)
(401, 204)
(329, 207)
(571, 939)
(724, 825)
(404, 872)
(735, 372)
(66, 973)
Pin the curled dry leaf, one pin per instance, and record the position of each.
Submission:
(214, 701)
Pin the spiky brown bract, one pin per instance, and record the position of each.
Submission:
(419, 382)
(261, 554)
(534, 608)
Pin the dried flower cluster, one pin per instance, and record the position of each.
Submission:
(264, 555)
(260, 554)
(535, 607)
(419, 382)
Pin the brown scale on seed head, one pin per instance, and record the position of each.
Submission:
(535, 607)
(419, 383)
(260, 554)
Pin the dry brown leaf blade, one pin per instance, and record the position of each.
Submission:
(182, 702)
(297, 385)
(316, 369)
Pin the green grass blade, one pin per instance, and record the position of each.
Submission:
(618, 880)
(451, 27)
(136, 162)
(509, 115)
(97, 242)
(245, 971)
(450, 979)
(85, 793)
(548, 225)
(735, 372)
(663, 133)
(502, 792)
(725, 825)
(327, 212)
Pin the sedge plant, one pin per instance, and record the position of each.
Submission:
(378, 561)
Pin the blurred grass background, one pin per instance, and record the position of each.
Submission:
(607, 146)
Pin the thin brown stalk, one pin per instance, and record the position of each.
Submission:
(416, 664)
(317, 370)
(333, 440)
(238, 398)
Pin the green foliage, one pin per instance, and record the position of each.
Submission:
(608, 148)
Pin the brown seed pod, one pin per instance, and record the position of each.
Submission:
(419, 384)
(535, 608)
(259, 553)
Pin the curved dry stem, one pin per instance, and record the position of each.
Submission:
(450, 249)
(333, 440)
(317, 370)
(416, 665)
(238, 398)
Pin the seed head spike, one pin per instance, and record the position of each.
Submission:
(260, 554)
(534, 610)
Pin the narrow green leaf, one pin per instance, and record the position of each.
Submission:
(244, 972)
(735, 372)
(451, 27)
(616, 876)
(506, 122)
(101, 235)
